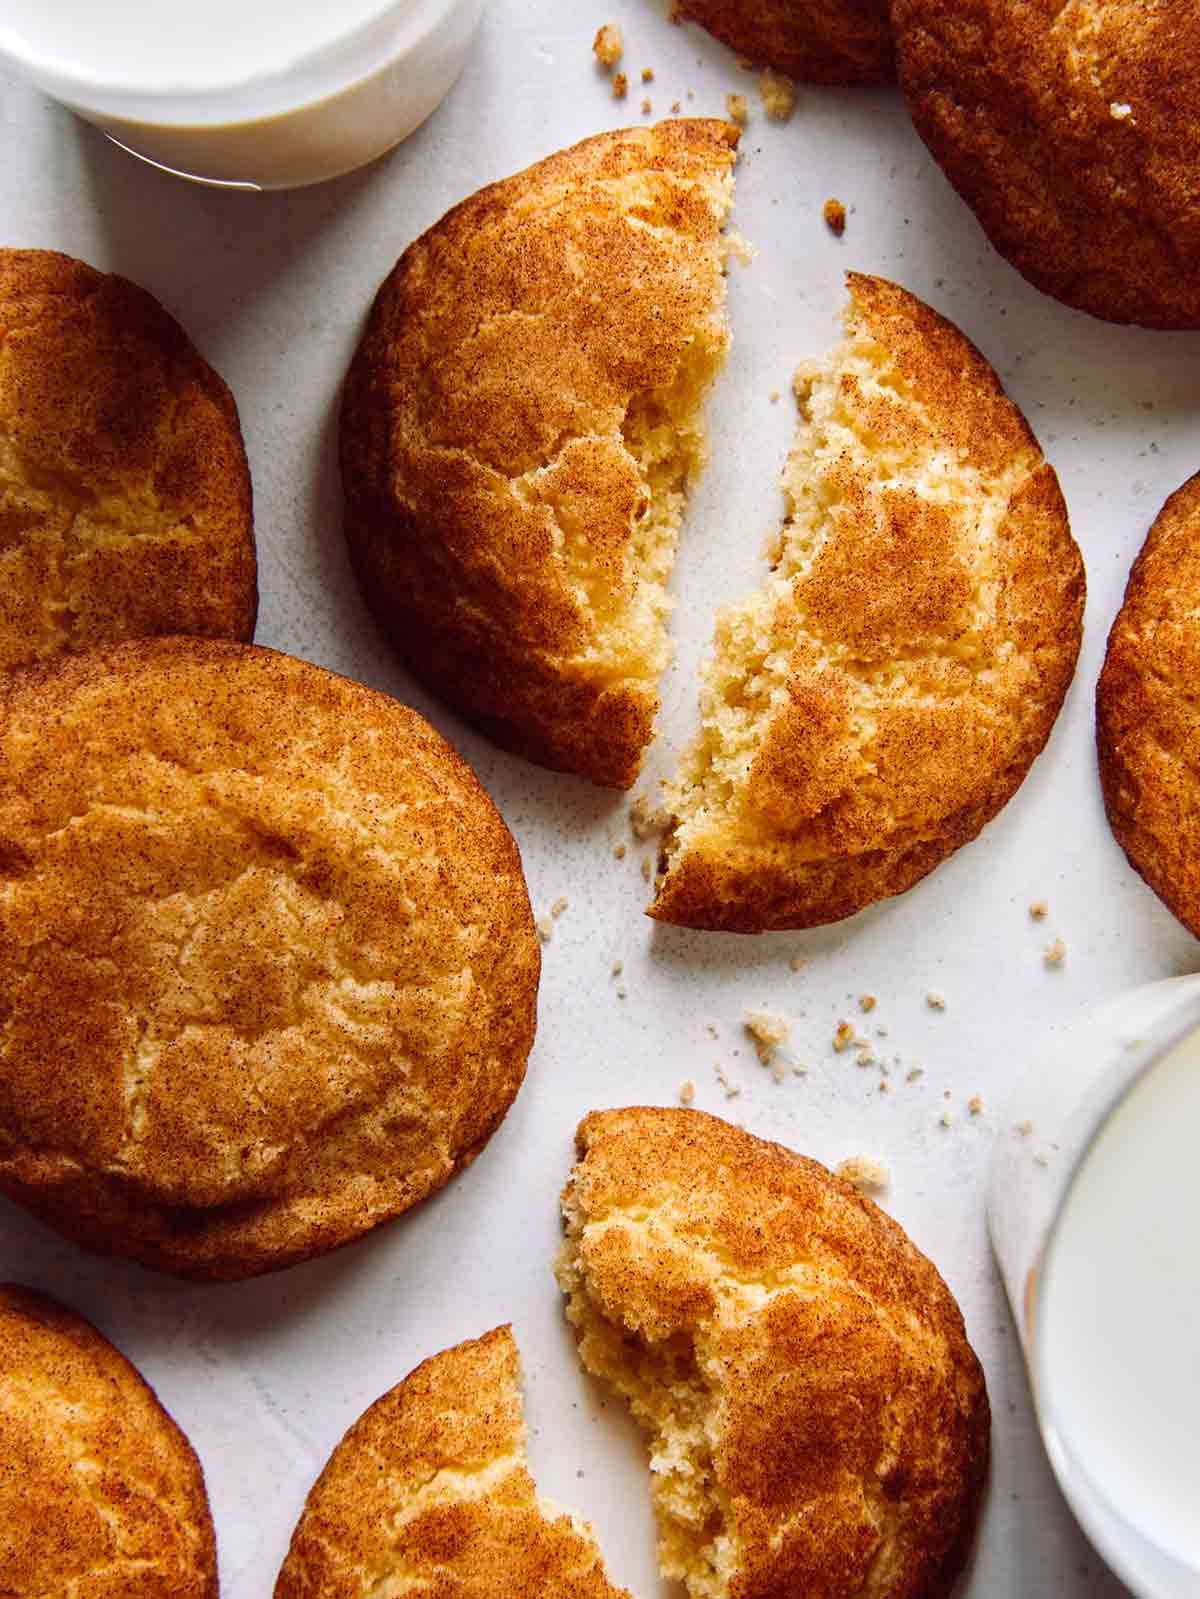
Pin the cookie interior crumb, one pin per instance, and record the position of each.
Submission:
(620, 86)
(687, 1092)
(608, 45)
(768, 1032)
(738, 107)
(1039, 910)
(862, 1172)
(778, 95)
(843, 1036)
(935, 1001)
(1056, 954)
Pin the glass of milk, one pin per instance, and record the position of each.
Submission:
(1094, 1209)
(254, 94)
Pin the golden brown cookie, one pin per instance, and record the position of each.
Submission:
(430, 1490)
(1072, 130)
(819, 1423)
(817, 41)
(1147, 713)
(518, 429)
(124, 489)
(268, 972)
(882, 697)
(101, 1495)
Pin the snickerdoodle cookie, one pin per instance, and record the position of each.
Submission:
(268, 972)
(124, 490)
(101, 1495)
(1147, 713)
(818, 41)
(819, 1423)
(518, 429)
(883, 695)
(1073, 132)
(429, 1494)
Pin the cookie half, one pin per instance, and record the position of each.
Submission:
(518, 429)
(818, 1421)
(430, 1491)
(1147, 716)
(884, 694)
(124, 490)
(100, 1493)
(1073, 133)
(818, 41)
(268, 972)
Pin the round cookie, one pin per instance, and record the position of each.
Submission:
(884, 694)
(518, 429)
(101, 1495)
(819, 1423)
(1147, 715)
(1073, 132)
(268, 972)
(818, 41)
(430, 1487)
(124, 490)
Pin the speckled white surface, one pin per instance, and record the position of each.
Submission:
(265, 1376)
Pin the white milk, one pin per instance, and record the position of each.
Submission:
(263, 94)
(1118, 1312)
(165, 44)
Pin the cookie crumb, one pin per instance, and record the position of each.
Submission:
(1056, 954)
(935, 1001)
(647, 74)
(975, 1104)
(834, 213)
(619, 851)
(712, 1029)
(617, 968)
(778, 95)
(558, 907)
(676, 108)
(1039, 910)
(647, 107)
(914, 1074)
(1041, 1160)
(843, 1036)
(866, 1002)
(738, 108)
(622, 991)
(608, 45)
(620, 86)
(545, 929)
(687, 1092)
(646, 819)
(864, 1173)
(647, 868)
(946, 1119)
(866, 1056)
(731, 1089)
(797, 963)
(767, 1031)
(1025, 1128)
(774, 396)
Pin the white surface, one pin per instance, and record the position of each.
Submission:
(1118, 1319)
(266, 1375)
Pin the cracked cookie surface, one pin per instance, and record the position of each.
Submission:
(518, 428)
(1072, 130)
(817, 41)
(268, 971)
(124, 491)
(101, 1495)
(1148, 715)
(882, 697)
(819, 1424)
(429, 1494)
